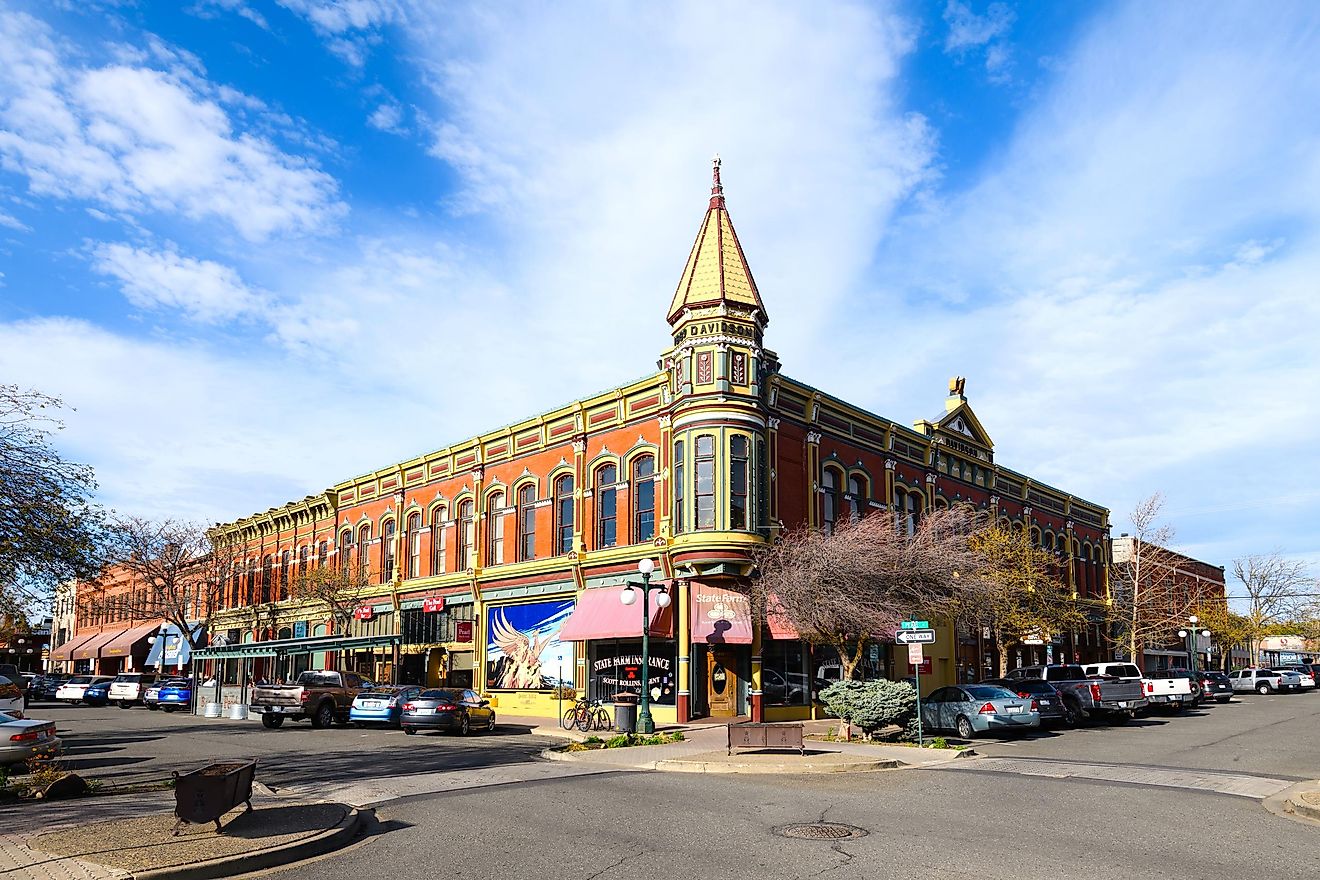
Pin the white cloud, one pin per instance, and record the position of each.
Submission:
(387, 117)
(209, 8)
(1130, 285)
(9, 221)
(351, 27)
(139, 139)
(588, 133)
(970, 34)
(204, 290)
(968, 30)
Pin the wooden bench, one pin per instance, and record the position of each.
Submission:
(766, 736)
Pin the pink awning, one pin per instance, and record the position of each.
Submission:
(777, 621)
(601, 615)
(720, 617)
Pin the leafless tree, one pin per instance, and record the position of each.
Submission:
(853, 586)
(337, 587)
(51, 531)
(1151, 595)
(166, 569)
(1017, 596)
(1277, 590)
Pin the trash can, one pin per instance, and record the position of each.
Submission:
(625, 712)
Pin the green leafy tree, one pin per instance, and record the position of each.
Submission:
(51, 529)
(871, 705)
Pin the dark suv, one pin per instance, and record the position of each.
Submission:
(1216, 686)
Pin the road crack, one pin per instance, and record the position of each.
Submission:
(619, 863)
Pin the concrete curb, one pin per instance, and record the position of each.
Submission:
(230, 866)
(732, 766)
(1289, 804)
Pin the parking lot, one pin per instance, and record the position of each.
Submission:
(1263, 735)
(122, 745)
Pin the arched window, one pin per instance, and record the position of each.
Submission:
(907, 510)
(642, 491)
(564, 514)
(387, 552)
(830, 500)
(414, 539)
(438, 560)
(858, 494)
(265, 579)
(345, 551)
(304, 554)
(494, 528)
(286, 572)
(705, 481)
(679, 484)
(322, 554)
(527, 521)
(607, 506)
(739, 480)
(364, 550)
(467, 535)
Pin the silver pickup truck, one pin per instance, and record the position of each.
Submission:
(1085, 697)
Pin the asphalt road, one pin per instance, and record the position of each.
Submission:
(1271, 736)
(121, 745)
(963, 820)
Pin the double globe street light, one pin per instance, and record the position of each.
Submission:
(1189, 639)
(645, 724)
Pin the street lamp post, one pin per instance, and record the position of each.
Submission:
(645, 724)
(1189, 636)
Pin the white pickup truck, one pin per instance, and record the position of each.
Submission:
(1175, 692)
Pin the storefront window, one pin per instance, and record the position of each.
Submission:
(616, 665)
(420, 627)
(785, 678)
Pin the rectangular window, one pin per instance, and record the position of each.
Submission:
(414, 551)
(527, 522)
(440, 563)
(643, 496)
(607, 508)
(496, 539)
(738, 467)
(678, 487)
(705, 482)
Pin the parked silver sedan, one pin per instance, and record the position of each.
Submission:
(21, 738)
(977, 708)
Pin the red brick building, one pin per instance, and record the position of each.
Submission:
(484, 551)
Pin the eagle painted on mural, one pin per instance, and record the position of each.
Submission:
(521, 666)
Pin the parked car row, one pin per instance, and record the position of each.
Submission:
(329, 697)
(1067, 694)
(127, 689)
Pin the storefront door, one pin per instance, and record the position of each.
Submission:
(722, 684)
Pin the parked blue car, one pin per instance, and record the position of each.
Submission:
(97, 694)
(382, 704)
(175, 694)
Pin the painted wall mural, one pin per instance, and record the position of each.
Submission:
(523, 650)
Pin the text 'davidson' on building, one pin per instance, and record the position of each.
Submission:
(497, 562)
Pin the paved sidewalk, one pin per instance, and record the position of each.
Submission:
(705, 749)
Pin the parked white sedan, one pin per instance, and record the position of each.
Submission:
(72, 690)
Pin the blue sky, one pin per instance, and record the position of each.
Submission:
(265, 246)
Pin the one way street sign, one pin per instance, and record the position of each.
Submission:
(915, 636)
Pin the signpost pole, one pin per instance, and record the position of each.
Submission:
(920, 741)
(560, 690)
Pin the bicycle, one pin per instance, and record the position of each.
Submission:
(586, 715)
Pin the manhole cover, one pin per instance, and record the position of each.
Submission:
(821, 831)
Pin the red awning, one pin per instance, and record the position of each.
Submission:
(720, 617)
(90, 649)
(601, 615)
(123, 644)
(65, 651)
(777, 621)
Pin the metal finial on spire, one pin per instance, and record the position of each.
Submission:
(716, 187)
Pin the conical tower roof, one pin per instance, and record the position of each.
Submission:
(716, 270)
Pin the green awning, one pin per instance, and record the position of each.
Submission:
(290, 647)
